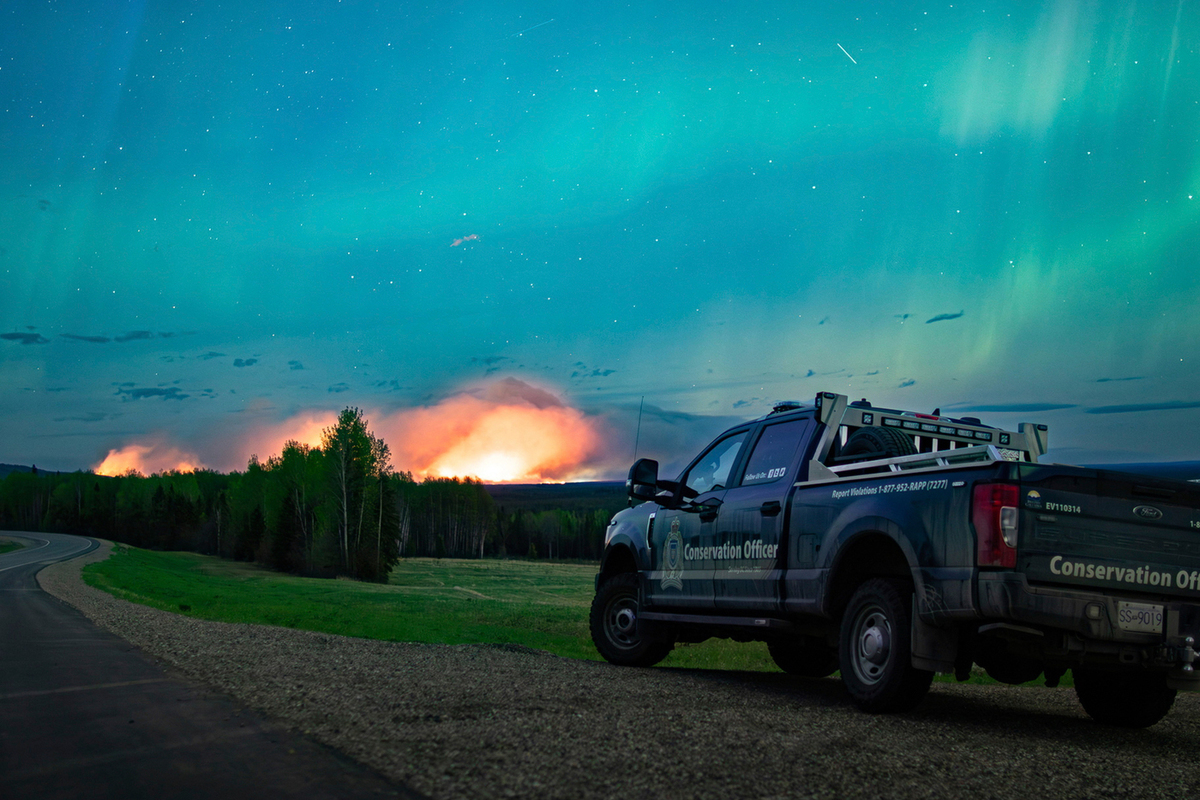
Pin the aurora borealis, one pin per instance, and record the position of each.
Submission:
(216, 218)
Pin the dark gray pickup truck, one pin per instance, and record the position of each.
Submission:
(892, 545)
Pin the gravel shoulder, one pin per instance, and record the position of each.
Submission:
(506, 721)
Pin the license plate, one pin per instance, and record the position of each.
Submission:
(1139, 617)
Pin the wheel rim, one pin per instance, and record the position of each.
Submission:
(620, 621)
(871, 644)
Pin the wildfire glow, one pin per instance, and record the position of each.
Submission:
(507, 431)
(496, 437)
(147, 459)
(265, 441)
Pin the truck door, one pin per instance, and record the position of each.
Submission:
(750, 525)
(682, 539)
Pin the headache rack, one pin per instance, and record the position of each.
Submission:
(941, 442)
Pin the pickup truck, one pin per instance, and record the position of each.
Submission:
(892, 545)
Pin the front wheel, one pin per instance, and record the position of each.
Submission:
(875, 648)
(615, 629)
(1125, 699)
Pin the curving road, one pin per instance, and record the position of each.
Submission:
(85, 714)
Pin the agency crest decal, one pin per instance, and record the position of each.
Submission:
(673, 558)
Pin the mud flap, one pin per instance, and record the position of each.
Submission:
(933, 648)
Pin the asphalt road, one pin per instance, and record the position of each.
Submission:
(85, 714)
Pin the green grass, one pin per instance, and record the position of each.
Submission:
(8, 545)
(538, 604)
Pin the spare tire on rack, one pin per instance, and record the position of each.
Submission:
(876, 442)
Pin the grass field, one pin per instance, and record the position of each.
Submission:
(8, 545)
(538, 604)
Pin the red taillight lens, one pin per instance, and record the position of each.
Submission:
(994, 512)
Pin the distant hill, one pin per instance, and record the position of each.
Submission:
(566, 496)
(6, 469)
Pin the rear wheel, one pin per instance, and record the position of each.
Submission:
(876, 648)
(806, 656)
(615, 628)
(1125, 699)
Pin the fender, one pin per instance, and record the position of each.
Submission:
(627, 535)
(863, 518)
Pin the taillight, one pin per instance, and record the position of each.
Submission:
(994, 512)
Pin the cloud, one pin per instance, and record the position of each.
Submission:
(25, 338)
(490, 360)
(944, 317)
(90, 416)
(1111, 380)
(245, 362)
(172, 393)
(80, 338)
(511, 390)
(295, 365)
(211, 354)
(338, 388)
(907, 383)
(1136, 407)
(134, 336)
(1013, 408)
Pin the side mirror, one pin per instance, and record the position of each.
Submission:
(642, 483)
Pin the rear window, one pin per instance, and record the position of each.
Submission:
(774, 451)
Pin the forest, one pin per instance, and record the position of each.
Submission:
(336, 509)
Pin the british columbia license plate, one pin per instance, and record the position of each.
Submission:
(1139, 617)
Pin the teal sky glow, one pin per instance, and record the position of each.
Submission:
(215, 217)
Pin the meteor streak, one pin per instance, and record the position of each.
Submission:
(844, 51)
(527, 30)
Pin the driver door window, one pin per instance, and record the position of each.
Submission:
(711, 472)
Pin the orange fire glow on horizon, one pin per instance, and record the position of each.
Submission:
(494, 439)
(147, 459)
(505, 432)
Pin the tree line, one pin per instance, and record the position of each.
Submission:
(336, 509)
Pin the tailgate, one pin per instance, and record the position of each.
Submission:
(1109, 530)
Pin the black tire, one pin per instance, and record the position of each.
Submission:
(615, 629)
(875, 648)
(876, 442)
(1125, 699)
(807, 657)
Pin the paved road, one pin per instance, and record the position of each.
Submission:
(85, 714)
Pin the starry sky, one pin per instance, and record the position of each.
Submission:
(216, 218)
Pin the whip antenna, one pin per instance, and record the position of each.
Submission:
(638, 437)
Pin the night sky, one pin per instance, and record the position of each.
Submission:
(219, 219)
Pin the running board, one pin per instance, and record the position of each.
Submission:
(767, 623)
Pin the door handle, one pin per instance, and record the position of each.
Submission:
(709, 508)
(770, 508)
